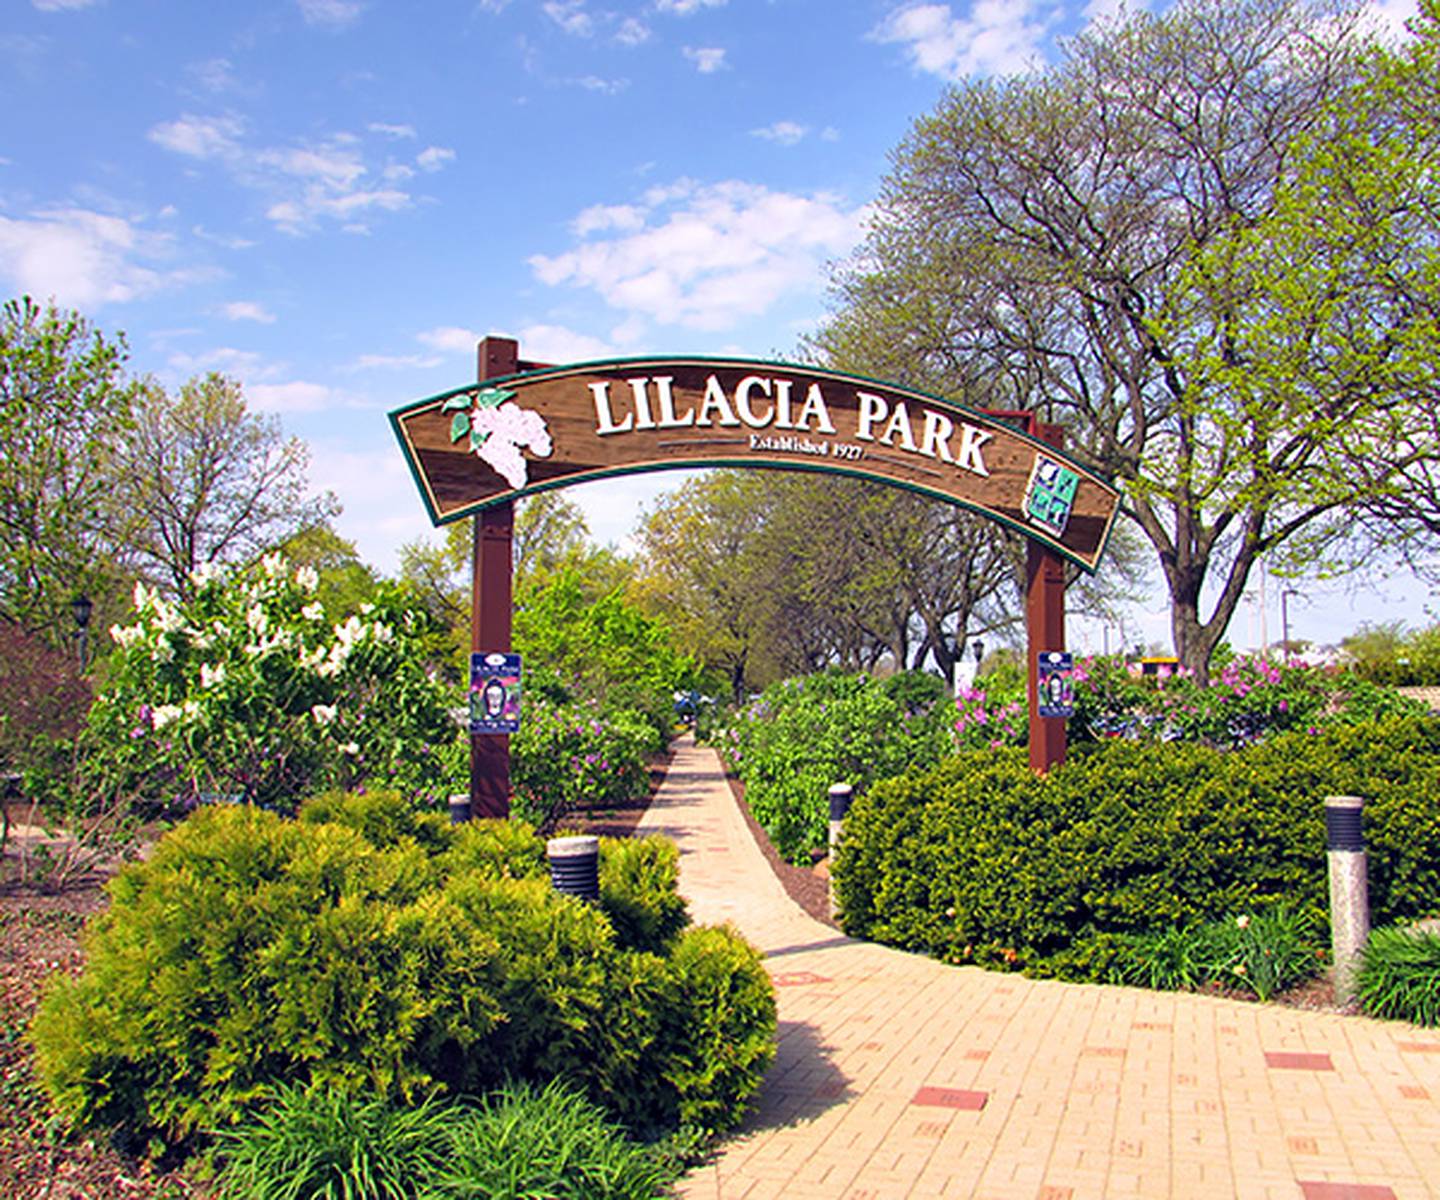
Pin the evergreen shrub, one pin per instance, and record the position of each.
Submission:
(639, 891)
(979, 860)
(252, 950)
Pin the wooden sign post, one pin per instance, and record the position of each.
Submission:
(1044, 631)
(524, 428)
(491, 605)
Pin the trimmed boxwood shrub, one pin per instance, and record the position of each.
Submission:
(251, 950)
(979, 860)
(639, 891)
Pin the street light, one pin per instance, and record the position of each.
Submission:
(1285, 595)
(80, 609)
(979, 649)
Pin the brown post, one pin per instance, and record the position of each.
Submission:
(1044, 631)
(490, 608)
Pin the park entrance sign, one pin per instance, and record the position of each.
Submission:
(490, 443)
(526, 427)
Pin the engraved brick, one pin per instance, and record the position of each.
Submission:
(1290, 1060)
(959, 1098)
(1345, 1191)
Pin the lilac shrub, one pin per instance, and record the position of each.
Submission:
(249, 691)
(1247, 699)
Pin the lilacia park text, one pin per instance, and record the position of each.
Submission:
(768, 402)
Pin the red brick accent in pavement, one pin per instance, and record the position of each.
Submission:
(1285, 1060)
(1345, 1191)
(797, 979)
(939, 1097)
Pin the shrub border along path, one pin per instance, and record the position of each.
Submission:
(900, 1076)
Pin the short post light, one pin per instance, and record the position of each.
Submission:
(80, 608)
(1349, 890)
(979, 649)
(840, 796)
(575, 865)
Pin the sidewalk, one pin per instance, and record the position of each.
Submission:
(898, 1076)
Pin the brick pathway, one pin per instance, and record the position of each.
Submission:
(898, 1076)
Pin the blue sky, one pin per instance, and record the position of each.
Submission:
(330, 200)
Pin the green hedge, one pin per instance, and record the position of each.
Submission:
(979, 860)
(373, 951)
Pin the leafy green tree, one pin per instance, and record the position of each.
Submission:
(705, 572)
(549, 532)
(209, 482)
(601, 647)
(66, 412)
(1330, 314)
(346, 581)
(1055, 241)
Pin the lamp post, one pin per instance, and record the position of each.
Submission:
(979, 649)
(1285, 594)
(80, 609)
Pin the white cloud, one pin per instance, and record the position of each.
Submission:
(83, 258)
(707, 59)
(381, 508)
(247, 310)
(297, 396)
(63, 5)
(600, 217)
(784, 133)
(611, 87)
(1390, 15)
(334, 14)
(450, 339)
(707, 257)
(684, 8)
(396, 362)
(200, 137)
(998, 37)
(539, 342)
(557, 344)
(1106, 10)
(227, 360)
(228, 242)
(432, 158)
(632, 32)
(335, 178)
(570, 15)
(214, 75)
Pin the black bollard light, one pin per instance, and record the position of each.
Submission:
(1349, 890)
(459, 808)
(840, 796)
(575, 865)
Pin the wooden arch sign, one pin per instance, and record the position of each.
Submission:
(492, 442)
(526, 428)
